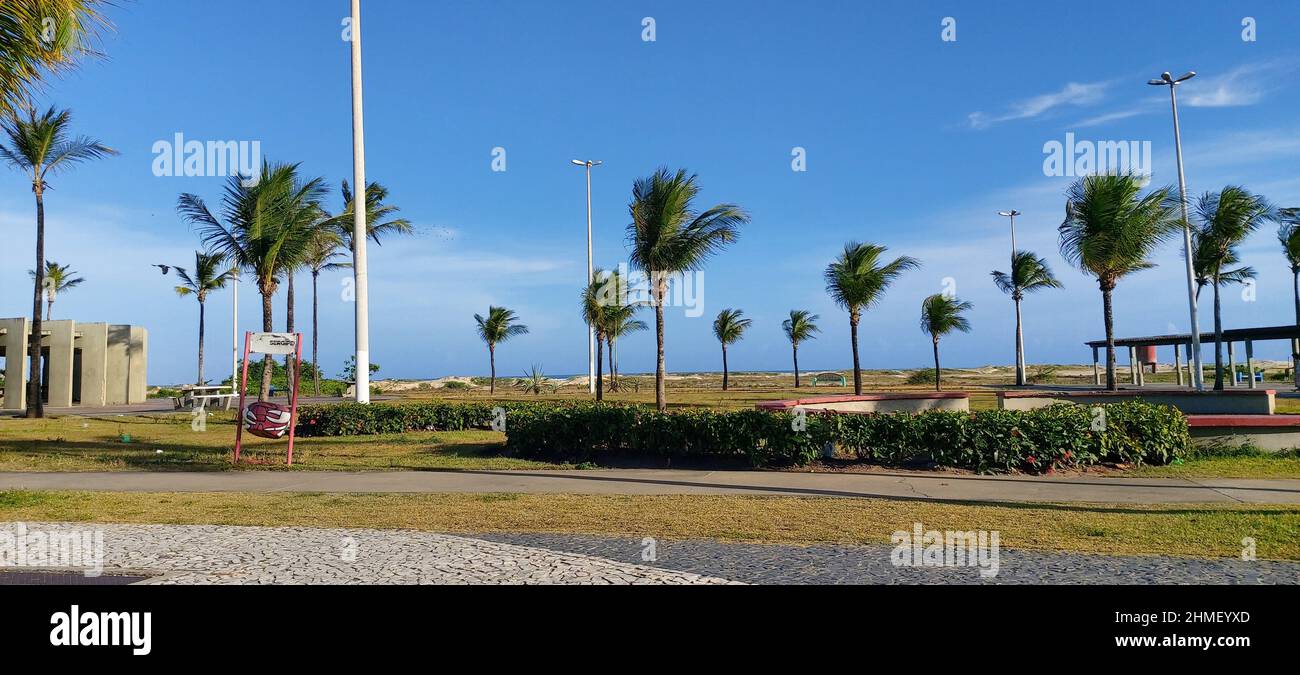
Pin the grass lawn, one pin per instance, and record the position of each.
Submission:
(1199, 531)
(96, 444)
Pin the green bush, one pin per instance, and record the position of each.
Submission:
(995, 441)
(453, 384)
(922, 376)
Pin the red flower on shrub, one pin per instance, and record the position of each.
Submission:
(1031, 459)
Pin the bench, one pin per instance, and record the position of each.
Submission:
(202, 400)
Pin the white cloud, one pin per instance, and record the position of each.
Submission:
(1072, 94)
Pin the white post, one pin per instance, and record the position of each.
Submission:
(591, 277)
(1250, 363)
(359, 231)
(1195, 355)
(234, 335)
(1178, 362)
(1232, 366)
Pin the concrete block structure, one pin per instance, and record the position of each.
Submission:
(89, 364)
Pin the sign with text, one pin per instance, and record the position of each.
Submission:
(273, 343)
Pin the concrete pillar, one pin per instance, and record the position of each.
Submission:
(1191, 379)
(138, 371)
(1250, 364)
(59, 344)
(1232, 367)
(1132, 365)
(117, 371)
(1178, 363)
(1141, 370)
(1096, 369)
(94, 362)
(1295, 361)
(14, 342)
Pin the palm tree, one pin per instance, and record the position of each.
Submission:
(1288, 234)
(729, 327)
(39, 37)
(39, 146)
(595, 304)
(208, 276)
(802, 325)
(1029, 273)
(1223, 220)
(668, 236)
(268, 231)
(498, 327)
(58, 278)
(325, 252)
(1110, 231)
(940, 315)
(378, 215)
(856, 280)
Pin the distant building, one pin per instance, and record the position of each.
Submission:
(90, 364)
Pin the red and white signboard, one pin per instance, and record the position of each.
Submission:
(264, 418)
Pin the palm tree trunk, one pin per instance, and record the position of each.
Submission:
(35, 405)
(1020, 349)
(1218, 341)
(724, 367)
(290, 368)
(936, 363)
(600, 361)
(201, 321)
(1109, 318)
(661, 402)
(1295, 357)
(857, 368)
(492, 362)
(267, 368)
(49, 310)
(613, 376)
(315, 333)
(796, 366)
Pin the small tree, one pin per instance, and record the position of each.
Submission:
(729, 328)
(801, 326)
(941, 315)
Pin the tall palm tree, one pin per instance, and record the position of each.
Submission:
(668, 236)
(39, 145)
(1223, 220)
(856, 280)
(324, 253)
(729, 328)
(499, 326)
(40, 37)
(58, 278)
(267, 231)
(1288, 234)
(1110, 231)
(595, 306)
(801, 326)
(941, 315)
(210, 274)
(1029, 273)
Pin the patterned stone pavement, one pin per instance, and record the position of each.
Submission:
(211, 554)
(830, 564)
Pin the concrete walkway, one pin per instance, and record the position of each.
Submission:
(898, 485)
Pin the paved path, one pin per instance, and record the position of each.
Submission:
(896, 485)
(871, 564)
(211, 554)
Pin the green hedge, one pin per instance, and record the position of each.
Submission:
(1035, 441)
(351, 419)
(1057, 437)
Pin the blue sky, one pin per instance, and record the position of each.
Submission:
(911, 142)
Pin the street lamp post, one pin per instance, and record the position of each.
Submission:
(1020, 338)
(591, 276)
(362, 289)
(1198, 378)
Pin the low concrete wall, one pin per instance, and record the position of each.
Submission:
(1275, 433)
(1244, 402)
(879, 403)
